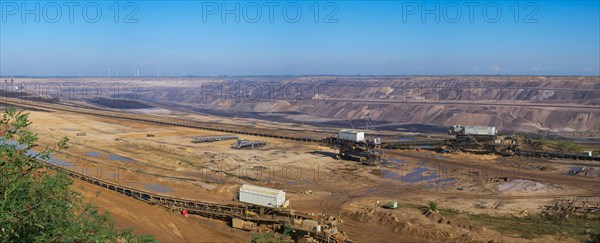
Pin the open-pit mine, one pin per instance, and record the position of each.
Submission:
(328, 158)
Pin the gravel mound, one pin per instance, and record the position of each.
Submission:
(593, 172)
(522, 186)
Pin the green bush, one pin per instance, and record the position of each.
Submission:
(433, 206)
(568, 146)
(37, 204)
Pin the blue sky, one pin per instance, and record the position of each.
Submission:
(369, 37)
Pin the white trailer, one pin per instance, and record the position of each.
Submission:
(480, 131)
(262, 196)
(350, 135)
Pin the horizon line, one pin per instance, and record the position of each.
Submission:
(303, 75)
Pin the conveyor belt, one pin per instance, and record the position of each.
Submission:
(157, 120)
(214, 210)
(549, 154)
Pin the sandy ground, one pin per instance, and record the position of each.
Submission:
(164, 225)
(168, 163)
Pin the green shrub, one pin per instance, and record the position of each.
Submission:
(433, 206)
(37, 204)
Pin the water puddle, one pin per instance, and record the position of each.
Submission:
(444, 181)
(574, 170)
(394, 163)
(112, 157)
(417, 175)
(32, 153)
(59, 162)
(420, 174)
(93, 154)
(119, 158)
(157, 188)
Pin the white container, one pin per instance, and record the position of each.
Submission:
(476, 130)
(354, 136)
(262, 196)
